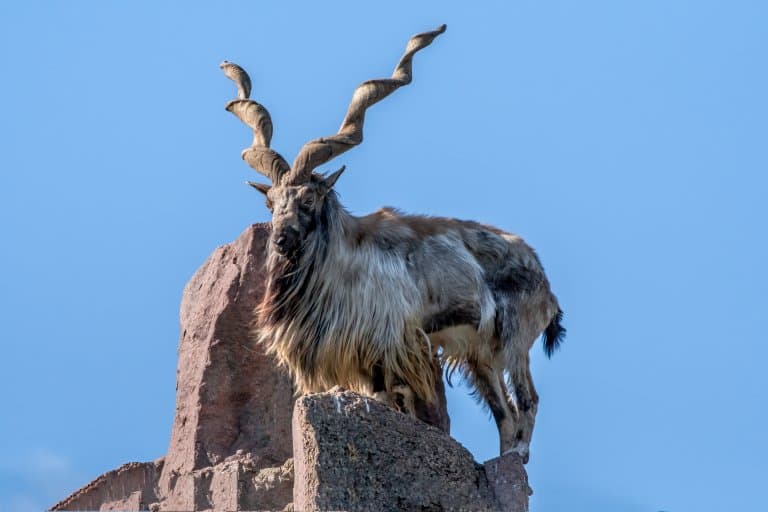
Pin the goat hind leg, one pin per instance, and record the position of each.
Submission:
(527, 402)
(490, 388)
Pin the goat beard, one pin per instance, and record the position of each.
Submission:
(287, 279)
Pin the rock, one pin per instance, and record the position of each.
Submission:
(269, 489)
(231, 401)
(509, 482)
(352, 453)
(230, 396)
(231, 442)
(129, 487)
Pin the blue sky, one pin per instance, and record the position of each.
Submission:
(626, 141)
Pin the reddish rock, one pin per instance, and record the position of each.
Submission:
(129, 487)
(230, 396)
(231, 443)
(233, 406)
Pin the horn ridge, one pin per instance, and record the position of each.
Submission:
(318, 151)
(259, 155)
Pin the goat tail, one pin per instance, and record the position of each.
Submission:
(554, 334)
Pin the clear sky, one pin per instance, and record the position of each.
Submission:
(626, 141)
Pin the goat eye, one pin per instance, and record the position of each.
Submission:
(269, 205)
(308, 202)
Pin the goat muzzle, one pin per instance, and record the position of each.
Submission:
(286, 241)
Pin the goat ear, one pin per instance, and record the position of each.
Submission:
(260, 187)
(331, 180)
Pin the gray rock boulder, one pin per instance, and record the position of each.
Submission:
(355, 454)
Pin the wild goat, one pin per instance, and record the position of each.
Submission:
(362, 302)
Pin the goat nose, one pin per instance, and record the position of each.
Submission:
(286, 239)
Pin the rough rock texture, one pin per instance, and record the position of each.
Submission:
(238, 483)
(354, 454)
(229, 394)
(231, 429)
(129, 487)
(509, 482)
(231, 443)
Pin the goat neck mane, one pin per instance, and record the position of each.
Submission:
(335, 312)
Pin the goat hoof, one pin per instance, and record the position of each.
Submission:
(523, 452)
(519, 450)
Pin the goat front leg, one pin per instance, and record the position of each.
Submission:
(392, 391)
(378, 385)
(404, 399)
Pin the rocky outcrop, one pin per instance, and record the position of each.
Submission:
(231, 434)
(231, 446)
(237, 483)
(355, 454)
(132, 486)
(230, 398)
